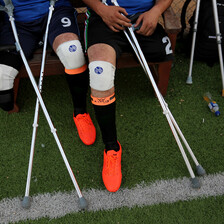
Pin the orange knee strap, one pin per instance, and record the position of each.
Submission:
(103, 101)
(76, 70)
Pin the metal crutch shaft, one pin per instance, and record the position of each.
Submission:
(53, 130)
(199, 168)
(195, 182)
(219, 41)
(9, 9)
(26, 200)
(143, 62)
(218, 38)
(163, 107)
(189, 78)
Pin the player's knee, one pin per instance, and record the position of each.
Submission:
(7, 76)
(102, 79)
(72, 57)
(102, 75)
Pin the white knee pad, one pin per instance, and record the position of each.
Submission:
(101, 75)
(7, 76)
(71, 54)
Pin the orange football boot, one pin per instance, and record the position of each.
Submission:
(111, 173)
(85, 128)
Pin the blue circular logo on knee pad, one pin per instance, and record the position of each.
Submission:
(72, 48)
(98, 70)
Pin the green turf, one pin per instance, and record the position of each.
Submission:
(142, 130)
(149, 149)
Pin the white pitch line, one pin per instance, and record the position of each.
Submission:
(59, 204)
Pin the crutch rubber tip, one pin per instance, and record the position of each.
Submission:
(189, 80)
(26, 203)
(200, 170)
(195, 183)
(83, 203)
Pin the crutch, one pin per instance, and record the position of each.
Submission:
(173, 125)
(8, 8)
(218, 39)
(26, 199)
(189, 78)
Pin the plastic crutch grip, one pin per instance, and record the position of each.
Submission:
(133, 19)
(9, 7)
(7, 2)
(52, 2)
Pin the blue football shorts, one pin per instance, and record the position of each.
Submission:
(30, 34)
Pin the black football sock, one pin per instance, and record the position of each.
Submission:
(105, 116)
(7, 99)
(78, 86)
(112, 146)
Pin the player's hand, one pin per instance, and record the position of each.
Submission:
(112, 16)
(149, 22)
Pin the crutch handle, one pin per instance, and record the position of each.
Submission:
(8, 2)
(133, 19)
(137, 27)
(52, 2)
(9, 7)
